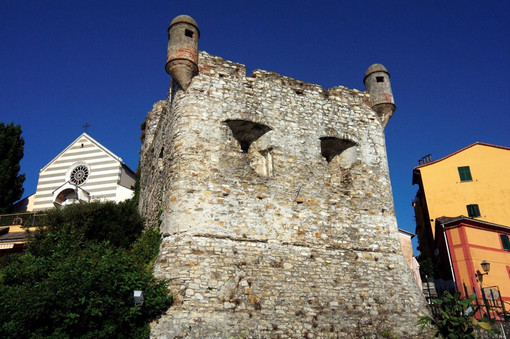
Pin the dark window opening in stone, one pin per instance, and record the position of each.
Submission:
(331, 147)
(246, 132)
(379, 79)
(299, 91)
(188, 33)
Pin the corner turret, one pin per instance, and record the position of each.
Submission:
(377, 84)
(182, 52)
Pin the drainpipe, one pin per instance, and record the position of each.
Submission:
(449, 256)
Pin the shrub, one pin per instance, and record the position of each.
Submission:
(77, 277)
(455, 318)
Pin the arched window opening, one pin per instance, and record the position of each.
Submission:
(331, 147)
(67, 194)
(246, 132)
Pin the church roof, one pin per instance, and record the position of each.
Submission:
(93, 141)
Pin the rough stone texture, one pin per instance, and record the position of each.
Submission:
(276, 209)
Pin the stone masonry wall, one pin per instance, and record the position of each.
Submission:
(276, 209)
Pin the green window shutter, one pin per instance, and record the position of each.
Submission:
(477, 210)
(505, 241)
(473, 210)
(464, 173)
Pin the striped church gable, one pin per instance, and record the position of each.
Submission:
(87, 166)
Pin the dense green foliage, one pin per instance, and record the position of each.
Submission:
(455, 318)
(77, 277)
(120, 224)
(11, 153)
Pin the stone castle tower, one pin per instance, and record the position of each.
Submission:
(274, 200)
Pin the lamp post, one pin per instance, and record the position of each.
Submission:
(486, 267)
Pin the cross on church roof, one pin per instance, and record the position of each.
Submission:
(86, 126)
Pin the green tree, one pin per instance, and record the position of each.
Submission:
(11, 153)
(70, 283)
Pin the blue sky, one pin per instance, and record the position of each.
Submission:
(65, 63)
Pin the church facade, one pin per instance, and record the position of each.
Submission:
(83, 171)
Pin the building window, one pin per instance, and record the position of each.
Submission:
(465, 173)
(505, 241)
(473, 210)
(79, 174)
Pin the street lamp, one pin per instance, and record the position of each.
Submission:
(486, 267)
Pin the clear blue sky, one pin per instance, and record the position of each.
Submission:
(65, 63)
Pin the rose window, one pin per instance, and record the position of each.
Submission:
(79, 174)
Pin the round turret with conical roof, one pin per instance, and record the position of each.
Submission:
(377, 84)
(182, 52)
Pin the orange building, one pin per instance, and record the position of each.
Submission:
(462, 244)
(13, 231)
(472, 182)
(462, 211)
(12, 239)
